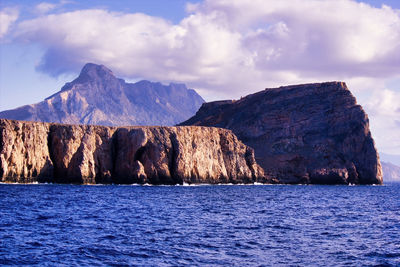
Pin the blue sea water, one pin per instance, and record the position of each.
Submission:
(72, 225)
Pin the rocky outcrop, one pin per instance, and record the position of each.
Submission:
(43, 152)
(98, 97)
(24, 156)
(311, 133)
(391, 172)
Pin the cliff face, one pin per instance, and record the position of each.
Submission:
(43, 152)
(311, 133)
(98, 97)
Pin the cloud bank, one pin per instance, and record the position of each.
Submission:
(232, 48)
(45, 7)
(227, 45)
(7, 17)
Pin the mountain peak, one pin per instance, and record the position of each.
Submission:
(91, 73)
(91, 70)
(98, 97)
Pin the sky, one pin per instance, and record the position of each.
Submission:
(224, 49)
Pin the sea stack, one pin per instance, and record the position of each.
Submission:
(87, 154)
(310, 133)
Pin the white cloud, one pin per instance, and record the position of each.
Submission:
(7, 17)
(45, 7)
(232, 48)
(383, 107)
(228, 45)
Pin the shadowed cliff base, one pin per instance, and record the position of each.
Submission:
(310, 133)
(85, 154)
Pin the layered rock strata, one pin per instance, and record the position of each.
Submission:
(311, 133)
(43, 152)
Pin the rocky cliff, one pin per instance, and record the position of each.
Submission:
(43, 152)
(98, 97)
(311, 133)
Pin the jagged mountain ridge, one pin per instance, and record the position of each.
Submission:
(98, 97)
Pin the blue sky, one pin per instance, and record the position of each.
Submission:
(223, 49)
(22, 83)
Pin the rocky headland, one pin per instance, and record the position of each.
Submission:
(311, 133)
(87, 154)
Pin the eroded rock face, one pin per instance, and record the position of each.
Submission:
(43, 152)
(311, 133)
(24, 156)
(81, 154)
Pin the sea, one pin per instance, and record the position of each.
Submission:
(207, 225)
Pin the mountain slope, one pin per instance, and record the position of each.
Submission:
(391, 172)
(98, 97)
(394, 159)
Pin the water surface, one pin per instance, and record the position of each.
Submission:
(202, 225)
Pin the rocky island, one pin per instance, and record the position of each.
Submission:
(309, 134)
(87, 154)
